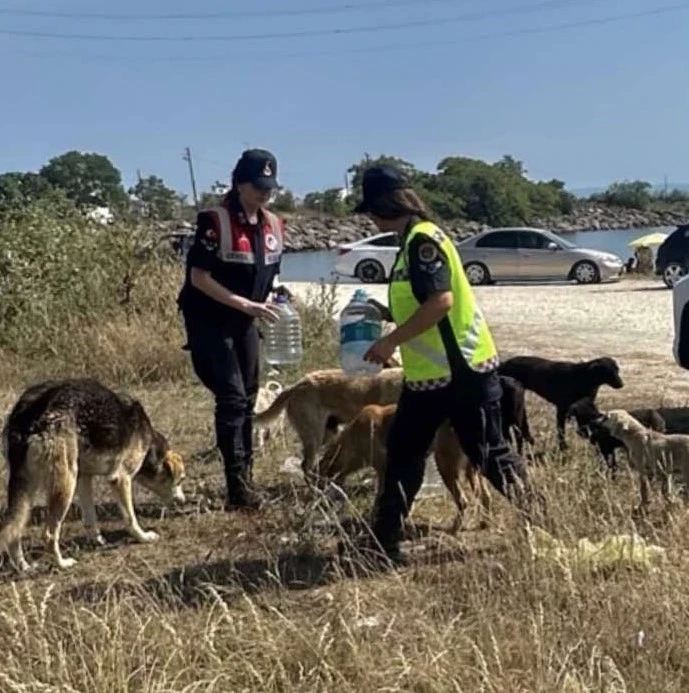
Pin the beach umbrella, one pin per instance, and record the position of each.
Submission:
(649, 239)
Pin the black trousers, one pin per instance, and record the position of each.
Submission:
(472, 404)
(226, 361)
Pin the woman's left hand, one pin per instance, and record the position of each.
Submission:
(380, 351)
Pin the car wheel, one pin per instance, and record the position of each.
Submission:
(370, 272)
(586, 272)
(476, 273)
(672, 273)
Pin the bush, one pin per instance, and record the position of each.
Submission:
(80, 298)
(631, 194)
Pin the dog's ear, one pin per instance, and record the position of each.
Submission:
(174, 463)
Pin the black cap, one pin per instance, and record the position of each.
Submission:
(258, 167)
(378, 181)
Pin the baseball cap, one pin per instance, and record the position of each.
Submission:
(378, 181)
(258, 167)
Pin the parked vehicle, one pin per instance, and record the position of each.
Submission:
(370, 260)
(672, 256)
(528, 254)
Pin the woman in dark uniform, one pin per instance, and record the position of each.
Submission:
(231, 269)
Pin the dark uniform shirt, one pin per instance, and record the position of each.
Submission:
(253, 281)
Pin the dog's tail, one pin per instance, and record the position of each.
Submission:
(43, 461)
(274, 386)
(267, 416)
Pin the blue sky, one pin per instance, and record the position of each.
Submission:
(587, 105)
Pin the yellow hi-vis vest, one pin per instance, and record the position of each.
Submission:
(424, 358)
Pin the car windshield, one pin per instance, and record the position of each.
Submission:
(561, 241)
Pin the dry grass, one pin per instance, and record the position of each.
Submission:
(237, 603)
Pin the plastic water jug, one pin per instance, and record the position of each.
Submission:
(282, 340)
(360, 326)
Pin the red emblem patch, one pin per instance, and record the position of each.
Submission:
(244, 244)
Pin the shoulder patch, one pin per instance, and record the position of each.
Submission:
(428, 252)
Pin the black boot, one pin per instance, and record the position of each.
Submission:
(240, 494)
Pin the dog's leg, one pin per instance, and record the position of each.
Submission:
(59, 499)
(561, 418)
(479, 488)
(16, 552)
(88, 510)
(122, 488)
(645, 492)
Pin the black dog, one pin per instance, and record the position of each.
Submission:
(589, 426)
(563, 383)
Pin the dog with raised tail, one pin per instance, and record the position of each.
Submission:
(61, 434)
(654, 455)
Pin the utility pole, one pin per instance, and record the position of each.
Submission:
(138, 175)
(187, 158)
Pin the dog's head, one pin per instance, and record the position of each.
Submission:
(360, 443)
(605, 371)
(162, 471)
(621, 423)
(587, 415)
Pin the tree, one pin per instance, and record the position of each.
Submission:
(634, 194)
(283, 201)
(357, 170)
(330, 201)
(86, 178)
(21, 189)
(160, 202)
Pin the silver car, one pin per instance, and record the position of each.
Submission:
(526, 254)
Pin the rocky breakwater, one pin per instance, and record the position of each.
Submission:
(326, 233)
(592, 217)
(315, 232)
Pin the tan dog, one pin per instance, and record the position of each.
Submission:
(320, 395)
(266, 396)
(652, 454)
(58, 436)
(363, 442)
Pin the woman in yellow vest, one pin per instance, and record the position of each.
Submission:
(448, 355)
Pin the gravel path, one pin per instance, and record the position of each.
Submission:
(628, 320)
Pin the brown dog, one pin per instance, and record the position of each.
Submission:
(61, 434)
(362, 443)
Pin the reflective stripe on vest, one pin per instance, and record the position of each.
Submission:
(272, 239)
(424, 358)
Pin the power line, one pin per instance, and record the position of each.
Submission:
(241, 14)
(234, 58)
(367, 28)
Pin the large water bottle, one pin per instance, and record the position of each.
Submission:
(360, 326)
(282, 340)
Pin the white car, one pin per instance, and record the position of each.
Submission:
(369, 260)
